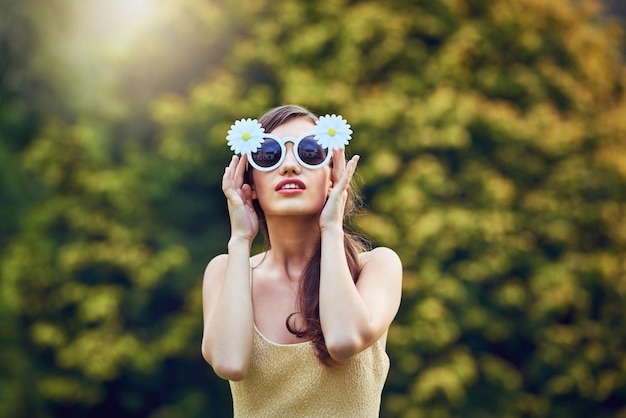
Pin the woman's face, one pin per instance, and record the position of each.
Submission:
(292, 189)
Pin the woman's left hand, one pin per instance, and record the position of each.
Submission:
(333, 212)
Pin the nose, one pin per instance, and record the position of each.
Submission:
(290, 164)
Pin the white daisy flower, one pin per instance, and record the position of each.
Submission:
(332, 132)
(246, 135)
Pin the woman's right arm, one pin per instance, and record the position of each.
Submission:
(226, 293)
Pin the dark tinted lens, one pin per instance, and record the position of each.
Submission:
(311, 152)
(268, 155)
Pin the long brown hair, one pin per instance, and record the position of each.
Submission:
(308, 293)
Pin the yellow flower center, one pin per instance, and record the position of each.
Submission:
(246, 136)
(332, 131)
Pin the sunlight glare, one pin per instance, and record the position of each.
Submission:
(117, 21)
(132, 12)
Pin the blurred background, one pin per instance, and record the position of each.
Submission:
(492, 136)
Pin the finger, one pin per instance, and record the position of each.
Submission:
(240, 170)
(353, 163)
(229, 186)
(228, 171)
(339, 164)
(348, 173)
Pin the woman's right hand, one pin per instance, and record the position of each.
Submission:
(244, 221)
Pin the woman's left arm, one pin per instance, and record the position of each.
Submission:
(353, 317)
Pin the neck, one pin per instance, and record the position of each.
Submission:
(294, 241)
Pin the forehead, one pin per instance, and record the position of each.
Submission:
(293, 128)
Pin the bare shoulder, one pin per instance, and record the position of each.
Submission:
(380, 257)
(381, 268)
(380, 284)
(215, 270)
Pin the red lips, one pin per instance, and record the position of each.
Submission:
(290, 184)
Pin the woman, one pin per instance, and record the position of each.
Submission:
(300, 329)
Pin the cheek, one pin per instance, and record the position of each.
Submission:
(258, 184)
(257, 188)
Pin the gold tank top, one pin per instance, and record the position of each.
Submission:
(287, 380)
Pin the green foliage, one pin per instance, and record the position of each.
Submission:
(493, 161)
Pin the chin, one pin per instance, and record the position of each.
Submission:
(294, 210)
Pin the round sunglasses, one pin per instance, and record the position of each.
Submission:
(307, 150)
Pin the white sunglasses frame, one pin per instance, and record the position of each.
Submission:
(296, 142)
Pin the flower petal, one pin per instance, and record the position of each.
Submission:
(332, 132)
(245, 135)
